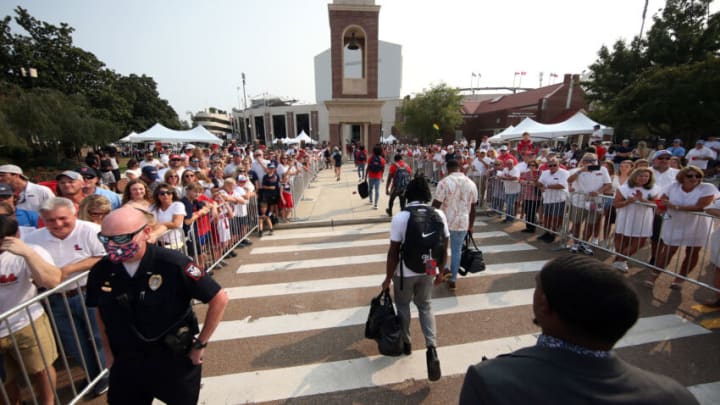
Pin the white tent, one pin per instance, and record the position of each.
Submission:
(497, 138)
(389, 139)
(129, 138)
(303, 137)
(159, 133)
(578, 124)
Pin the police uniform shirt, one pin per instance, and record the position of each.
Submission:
(154, 299)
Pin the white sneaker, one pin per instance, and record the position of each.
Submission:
(574, 248)
(621, 265)
(595, 241)
(586, 249)
(375, 207)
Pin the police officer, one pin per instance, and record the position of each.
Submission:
(143, 295)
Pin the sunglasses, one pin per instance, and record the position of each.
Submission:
(663, 158)
(119, 239)
(693, 176)
(552, 165)
(165, 192)
(88, 177)
(173, 175)
(98, 213)
(195, 161)
(188, 175)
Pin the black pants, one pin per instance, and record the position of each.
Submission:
(394, 194)
(138, 379)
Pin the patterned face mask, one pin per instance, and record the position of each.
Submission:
(119, 253)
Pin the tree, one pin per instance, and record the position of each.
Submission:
(642, 88)
(439, 106)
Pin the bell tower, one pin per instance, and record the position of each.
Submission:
(354, 113)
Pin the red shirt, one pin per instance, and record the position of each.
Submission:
(506, 156)
(393, 168)
(375, 175)
(525, 146)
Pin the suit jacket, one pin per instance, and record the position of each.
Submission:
(540, 375)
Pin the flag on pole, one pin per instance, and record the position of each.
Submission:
(522, 73)
(474, 75)
(436, 126)
(517, 73)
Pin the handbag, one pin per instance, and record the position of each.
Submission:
(363, 189)
(471, 258)
(383, 325)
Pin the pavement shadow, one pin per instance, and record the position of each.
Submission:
(374, 396)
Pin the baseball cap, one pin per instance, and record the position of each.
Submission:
(71, 174)
(86, 171)
(678, 140)
(150, 172)
(662, 152)
(175, 156)
(625, 141)
(242, 178)
(271, 166)
(5, 190)
(700, 141)
(503, 147)
(12, 169)
(189, 146)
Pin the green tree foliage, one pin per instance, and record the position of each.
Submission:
(662, 84)
(440, 105)
(74, 100)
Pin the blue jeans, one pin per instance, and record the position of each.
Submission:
(374, 185)
(456, 242)
(361, 170)
(65, 331)
(510, 206)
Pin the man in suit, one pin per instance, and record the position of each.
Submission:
(583, 308)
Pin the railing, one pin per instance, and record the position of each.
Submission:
(209, 240)
(640, 232)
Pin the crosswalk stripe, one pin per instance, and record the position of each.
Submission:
(313, 379)
(706, 394)
(360, 259)
(344, 283)
(336, 318)
(346, 244)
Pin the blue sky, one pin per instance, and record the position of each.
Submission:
(196, 51)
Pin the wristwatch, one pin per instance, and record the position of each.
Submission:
(197, 344)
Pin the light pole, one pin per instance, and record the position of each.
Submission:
(247, 138)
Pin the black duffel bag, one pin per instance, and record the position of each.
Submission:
(383, 325)
(471, 259)
(363, 189)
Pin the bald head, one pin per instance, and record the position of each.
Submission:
(123, 220)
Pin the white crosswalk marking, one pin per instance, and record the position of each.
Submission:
(336, 318)
(269, 385)
(299, 287)
(298, 247)
(707, 394)
(363, 259)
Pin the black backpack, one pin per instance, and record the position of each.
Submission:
(375, 164)
(425, 234)
(401, 178)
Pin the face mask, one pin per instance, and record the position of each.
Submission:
(119, 253)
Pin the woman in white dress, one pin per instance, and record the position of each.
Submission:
(634, 214)
(682, 225)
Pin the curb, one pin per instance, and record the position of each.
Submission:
(331, 223)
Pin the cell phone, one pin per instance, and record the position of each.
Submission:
(593, 168)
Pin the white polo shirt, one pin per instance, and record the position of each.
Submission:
(694, 154)
(588, 182)
(18, 288)
(665, 179)
(81, 244)
(33, 195)
(551, 196)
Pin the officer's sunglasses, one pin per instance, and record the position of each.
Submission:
(119, 239)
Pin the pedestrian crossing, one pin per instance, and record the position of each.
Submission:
(279, 296)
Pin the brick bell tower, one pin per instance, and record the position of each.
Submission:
(354, 108)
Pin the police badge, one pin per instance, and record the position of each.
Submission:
(155, 282)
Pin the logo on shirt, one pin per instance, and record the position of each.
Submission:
(8, 279)
(193, 271)
(77, 248)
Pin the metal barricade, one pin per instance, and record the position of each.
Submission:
(681, 244)
(76, 372)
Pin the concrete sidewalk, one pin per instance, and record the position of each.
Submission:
(328, 201)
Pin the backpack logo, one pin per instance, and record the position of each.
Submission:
(424, 238)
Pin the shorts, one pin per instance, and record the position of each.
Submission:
(30, 350)
(578, 214)
(554, 209)
(288, 200)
